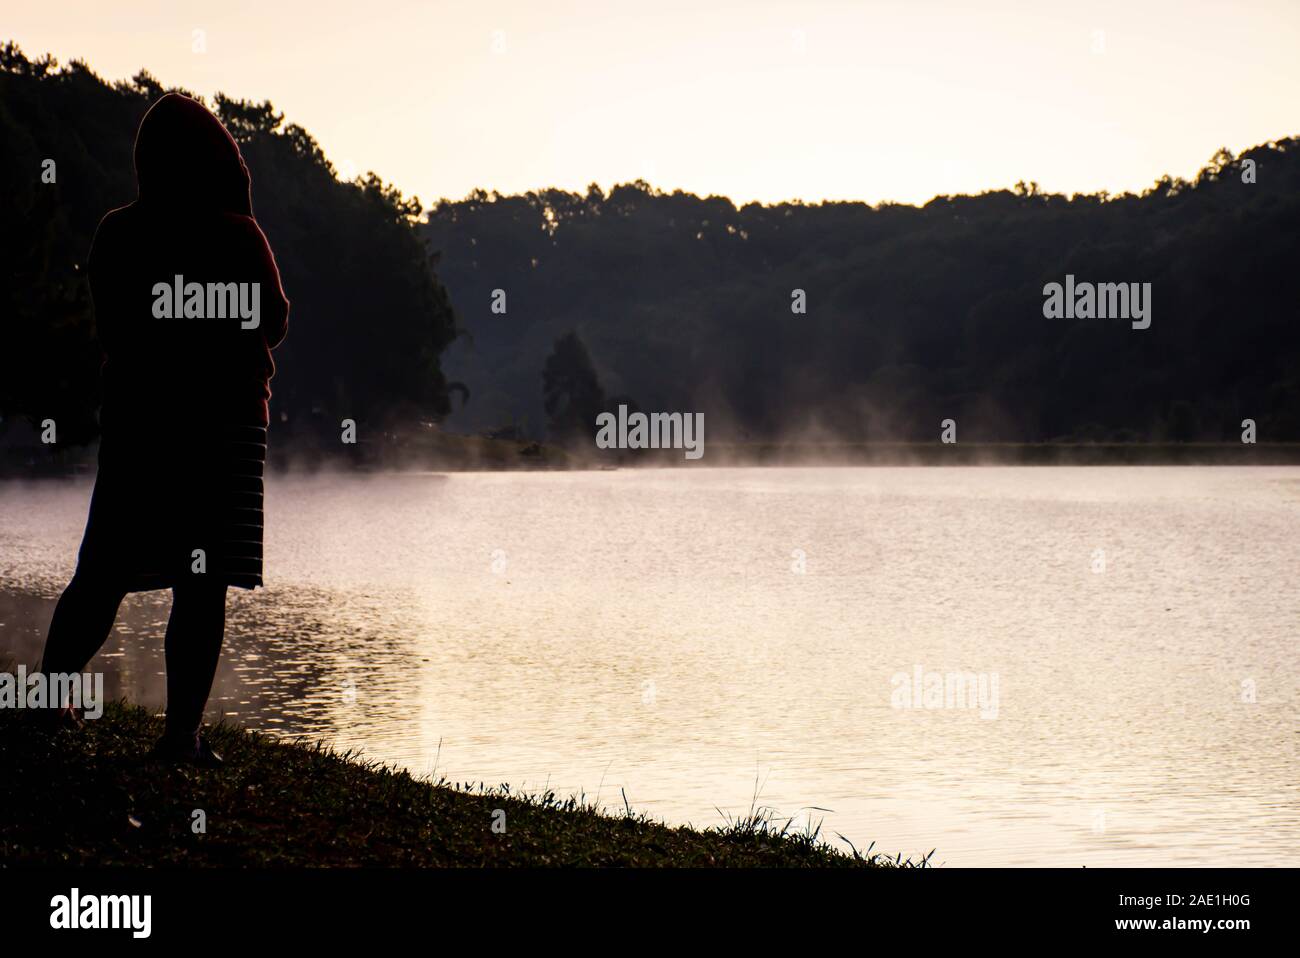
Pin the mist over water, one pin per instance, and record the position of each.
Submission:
(681, 633)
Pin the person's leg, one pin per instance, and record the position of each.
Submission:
(193, 647)
(82, 620)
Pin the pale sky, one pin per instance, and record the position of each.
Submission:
(752, 99)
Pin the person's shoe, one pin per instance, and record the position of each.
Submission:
(54, 720)
(205, 757)
(195, 751)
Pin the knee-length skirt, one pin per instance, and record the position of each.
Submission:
(171, 508)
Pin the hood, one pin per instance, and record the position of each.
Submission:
(185, 158)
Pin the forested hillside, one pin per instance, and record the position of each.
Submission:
(679, 303)
(913, 315)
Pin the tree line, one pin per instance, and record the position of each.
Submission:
(835, 320)
(846, 321)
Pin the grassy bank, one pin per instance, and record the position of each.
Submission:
(88, 797)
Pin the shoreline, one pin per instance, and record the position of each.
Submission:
(476, 454)
(87, 797)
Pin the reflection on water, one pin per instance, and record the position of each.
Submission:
(652, 631)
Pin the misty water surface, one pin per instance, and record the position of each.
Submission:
(695, 636)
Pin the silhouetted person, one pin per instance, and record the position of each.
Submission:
(178, 496)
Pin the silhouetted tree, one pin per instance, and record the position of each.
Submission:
(572, 393)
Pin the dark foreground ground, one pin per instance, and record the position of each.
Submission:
(88, 797)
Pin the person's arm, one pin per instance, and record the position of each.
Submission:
(275, 305)
(100, 272)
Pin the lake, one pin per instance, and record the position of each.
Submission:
(1012, 665)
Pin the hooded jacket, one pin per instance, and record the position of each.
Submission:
(161, 273)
